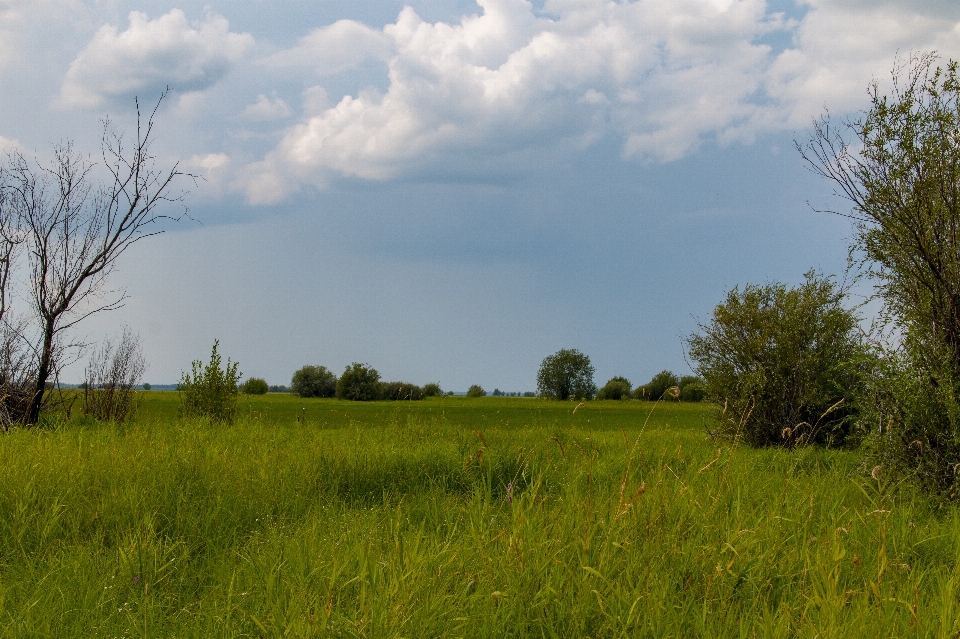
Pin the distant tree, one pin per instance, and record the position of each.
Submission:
(254, 386)
(359, 382)
(497, 392)
(692, 389)
(279, 389)
(314, 381)
(567, 374)
(146, 386)
(529, 394)
(211, 390)
(432, 390)
(476, 391)
(616, 388)
(657, 387)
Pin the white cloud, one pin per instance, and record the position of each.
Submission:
(660, 77)
(342, 45)
(265, 109)
(150, 55)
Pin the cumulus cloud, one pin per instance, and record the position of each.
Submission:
(265, 109)
(660, 77)
(342, 45)
(150, 55)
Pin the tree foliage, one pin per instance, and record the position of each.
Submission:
(314, 381)
(254, 386)
(210, 390)
(567, 374)
(898, 167)
(476, 391)
(359, 382)
(785, 365)
(656, 389)
(616, 388)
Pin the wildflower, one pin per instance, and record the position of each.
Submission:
(510, 493)
(136, 579)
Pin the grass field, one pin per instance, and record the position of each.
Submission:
(455, 517)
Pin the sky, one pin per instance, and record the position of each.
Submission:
(451, 190)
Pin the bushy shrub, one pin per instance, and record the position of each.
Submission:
(567, 374)
(395, 391)
(254, 386)
(785, 365)
(279, 389)
(691, 389)
(476, 391)
(114, 371)
(432, 390)
(616, 388)
(314, 381)
(211, 390)
(146, 386)
(657, 387)
(360, 383)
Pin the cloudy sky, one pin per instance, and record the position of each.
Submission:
(451, 190)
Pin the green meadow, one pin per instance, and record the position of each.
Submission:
(455, 517)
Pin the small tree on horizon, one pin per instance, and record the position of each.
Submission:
(567, 374)
(314, 381)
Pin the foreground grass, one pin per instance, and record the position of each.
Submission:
(324, 518)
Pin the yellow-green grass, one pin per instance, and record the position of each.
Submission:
(312, 518)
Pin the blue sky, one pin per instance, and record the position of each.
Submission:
(447, 190)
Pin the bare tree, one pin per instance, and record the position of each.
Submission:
(113, 372)
(75, 228)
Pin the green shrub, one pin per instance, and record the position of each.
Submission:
(567, 374)
(657, 387)
(476, 391)
(691, 389)
(616, 388)
(146, 386)
(210, 391)
(432, 390)
(787, 365)
(314, 381)
(393, 391)
(360, 383)
(254, 386)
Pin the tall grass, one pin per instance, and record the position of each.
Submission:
(404, 526)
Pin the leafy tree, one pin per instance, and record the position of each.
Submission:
(566, 374)
(359, 382)
(658, 387)
(211, 390)
(898, 167)
(786, 365)
(146, 386)
(432, 390)
(476, 391)
(314, 381)
(254, 386)
(616, 388)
